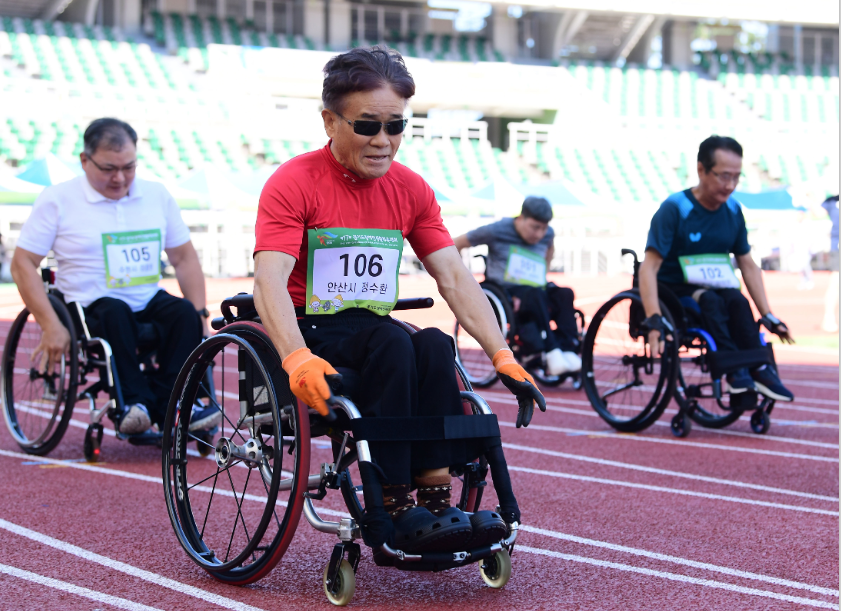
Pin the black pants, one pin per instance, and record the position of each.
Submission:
(179, 328)
(726, 315)
(540, 306)
(402, 375)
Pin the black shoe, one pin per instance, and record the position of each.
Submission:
(488, 528)
(739, 381)
(768, 383)
(419, 530)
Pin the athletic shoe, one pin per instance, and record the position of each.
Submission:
(768, 383)
(204, 418)
(135, 420)
(573, 361)
(556, 364)
(739, 381)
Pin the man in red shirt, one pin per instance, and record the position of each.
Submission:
(330, 232)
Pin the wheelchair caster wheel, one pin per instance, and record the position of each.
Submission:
(204, 444)
(93, 442)
(760, 422)
(681, 425)
(496, 570)
(341, 592)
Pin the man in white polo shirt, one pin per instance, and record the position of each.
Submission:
(107, 229)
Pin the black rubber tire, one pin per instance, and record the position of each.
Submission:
(478, 367)
(261, 546)
(39, 440)
(760, 422)
(654, 395)
(681, 425)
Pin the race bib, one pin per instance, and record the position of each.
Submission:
(352, 268)
(132, 258)
(710, 271)
(525, 267)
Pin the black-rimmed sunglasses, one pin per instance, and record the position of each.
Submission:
(372, 128)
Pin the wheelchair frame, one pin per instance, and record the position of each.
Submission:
(506, 317)
(672, 383)
(292, 424)
(87, 355)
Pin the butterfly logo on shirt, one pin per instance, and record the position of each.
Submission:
(695, 237)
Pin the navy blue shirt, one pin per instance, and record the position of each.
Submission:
(499, 237)
(682, 227)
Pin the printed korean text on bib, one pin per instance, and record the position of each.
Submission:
(525, 267)
(132, 258)
(710, 271)
(352, 268)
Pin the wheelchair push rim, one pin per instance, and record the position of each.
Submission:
(236, 511)
(627, 388)
(469, 354)
(37, 406)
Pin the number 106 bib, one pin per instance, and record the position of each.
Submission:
(352, 268)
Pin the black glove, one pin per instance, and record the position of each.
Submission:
(655, 322)
(773, 324)
(527, 394)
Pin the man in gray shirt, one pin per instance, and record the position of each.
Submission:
(519, 253)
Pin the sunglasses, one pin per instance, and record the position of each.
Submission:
(372, 128)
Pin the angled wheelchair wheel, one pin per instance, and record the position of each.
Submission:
(235, 512)
(626, 386)
(38, 406)
(469, 354)
(701, 397)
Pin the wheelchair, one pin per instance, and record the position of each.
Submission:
(631, 388)
(476, 364)
(235, 516)
(38, 407)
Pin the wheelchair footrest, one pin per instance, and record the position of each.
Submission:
(722, 363)
(434, 428)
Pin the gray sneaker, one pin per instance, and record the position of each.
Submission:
(135, 420)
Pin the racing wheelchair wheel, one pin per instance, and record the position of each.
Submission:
(38, 406)
(697, 393)
(236, 513)
(469, 354)
(626, 386)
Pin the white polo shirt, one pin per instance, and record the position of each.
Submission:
(72, 219)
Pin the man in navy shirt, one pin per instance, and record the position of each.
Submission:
(519, 253)
(689, 245)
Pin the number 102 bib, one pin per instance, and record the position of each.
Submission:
(352, 268)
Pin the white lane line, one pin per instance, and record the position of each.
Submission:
(250, 497)
(681, 474)
(100, 597)
(677, 577)
(691, 444)
(821, 401)
(678, 491)
(812, 383)
(128, 569)
(555, 405)
(678, 560)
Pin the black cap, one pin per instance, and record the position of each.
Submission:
(537, 208)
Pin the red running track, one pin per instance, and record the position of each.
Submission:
(720, 520)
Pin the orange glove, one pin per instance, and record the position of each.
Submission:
(519, 382)
(308, 379)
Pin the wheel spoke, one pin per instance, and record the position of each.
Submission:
(218, 471)
(224, 415)
(215, 477)
(201, 441)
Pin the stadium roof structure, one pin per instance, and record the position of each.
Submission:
(805, 12)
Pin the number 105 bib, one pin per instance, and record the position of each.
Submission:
(352, 268)
(713, 271)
